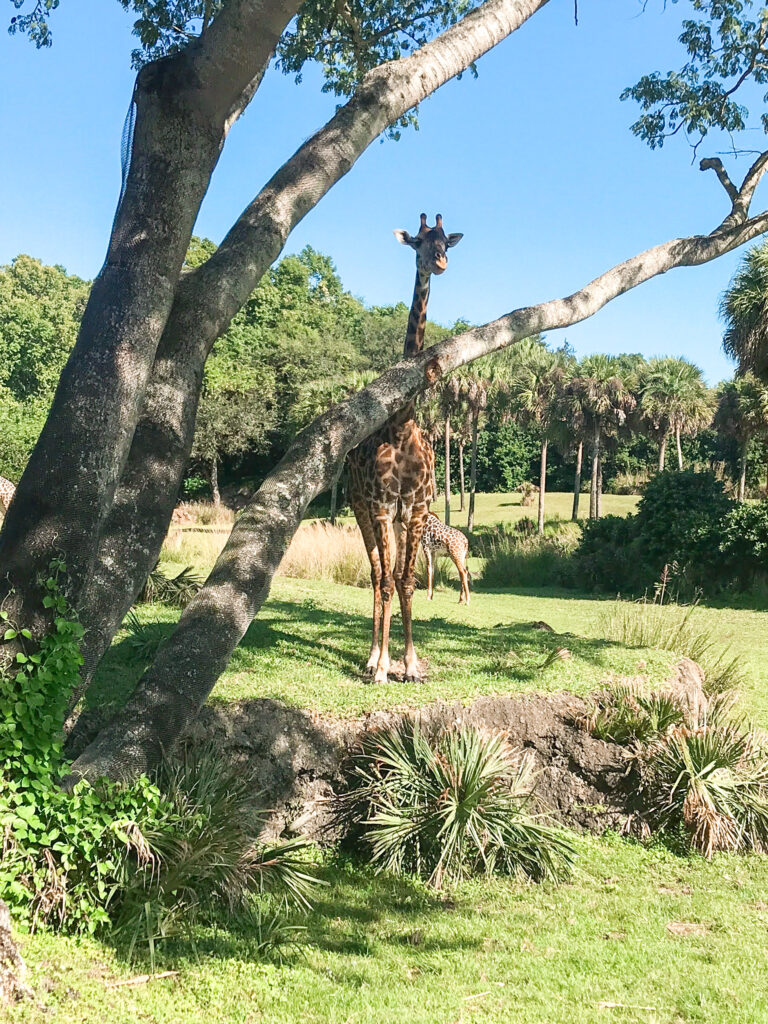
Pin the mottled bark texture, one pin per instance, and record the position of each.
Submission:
(185, 105)
(190, 662)
(577, 482)
(206, 300)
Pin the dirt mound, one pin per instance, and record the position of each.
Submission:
(296, 754)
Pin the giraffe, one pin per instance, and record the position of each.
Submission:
(390, 476)
(441, 538)
(7, 491)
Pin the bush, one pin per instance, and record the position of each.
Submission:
(132, 859)
(449, 806)
(609, 555)
(744, 545)
(679, 520)
(515, 557)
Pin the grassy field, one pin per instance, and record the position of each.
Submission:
(638, 935)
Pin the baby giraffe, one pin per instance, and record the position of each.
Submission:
(445, 540)
(390, 476)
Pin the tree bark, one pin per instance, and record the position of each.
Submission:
(600, 487)
(178, 681)
(593, 514)
(662, 453)
(473, 474)
(185, 105)
(679, 449)
(461, 476)
(542, 484)
(213, 477)
(743, 473)
(207, 298)
(447, 470)
(334, 491)
(577, 482)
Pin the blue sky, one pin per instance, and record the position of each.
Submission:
(533, 161)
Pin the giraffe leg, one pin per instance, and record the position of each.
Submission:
(384, 540)
(461, 565)
(405, 585)
(430, 573)
(363, 517)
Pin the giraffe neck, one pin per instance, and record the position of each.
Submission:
(417, 319)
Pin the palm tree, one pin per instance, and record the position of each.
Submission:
(477, 400)
(742, 413)
(535, 393)
(744, 309)
(598, 399)
(450, 399)
(674, 399)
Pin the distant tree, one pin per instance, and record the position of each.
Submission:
(674, 399)
(744, 310)
(535, 394)
(742, 413)
(450, 405)
(599, 400)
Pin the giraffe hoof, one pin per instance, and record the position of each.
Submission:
(381, 677)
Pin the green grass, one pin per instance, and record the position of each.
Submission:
(379, 950)
(308, 645)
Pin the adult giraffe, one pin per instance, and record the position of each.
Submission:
(390, 476)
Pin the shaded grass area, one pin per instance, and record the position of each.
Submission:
(308, 645)
(639, 935)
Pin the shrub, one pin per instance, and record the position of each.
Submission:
(609, 555)
(624, 714)
(713, 780)
(135, 858)
(744, 544)
(517, 558)
(678, 520)
(448, 806)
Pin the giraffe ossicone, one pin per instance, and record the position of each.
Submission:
(390, 476)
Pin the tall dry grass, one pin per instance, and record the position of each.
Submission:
(320, 551)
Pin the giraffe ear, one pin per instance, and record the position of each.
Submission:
(452, 240)
(405, 239)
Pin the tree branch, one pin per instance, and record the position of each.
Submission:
(189, 663)
(741, 198)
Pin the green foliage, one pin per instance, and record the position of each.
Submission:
(607, 556)
(516, 557)
(743, 309)
(138, 860)
(176, 591)
(624, 714)
(744, 544)
(713, 781)
(726, 49)
(449, 806)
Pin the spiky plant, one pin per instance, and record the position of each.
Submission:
(206, 854)
(713, 779)
(176, 591)
(449, 806)
(623, 714)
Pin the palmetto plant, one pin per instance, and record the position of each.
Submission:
(713, 779)
(449, 806)
(176, 591)
(624, 714)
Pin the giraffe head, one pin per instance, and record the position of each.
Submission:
(431, 245)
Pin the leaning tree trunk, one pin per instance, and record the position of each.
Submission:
(185, 105)
(542, 484)
(662, 453)
(448, 470)
(679, 449)
(593, 513)
(473, 474)
(461, 476)
(170, 692)
(577, 482)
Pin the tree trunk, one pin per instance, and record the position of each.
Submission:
(473, 474)
(334, 489)
(593, 513)
(600, 488)
(213, 477)
(542, 484)
(743, 474)
(370, 409)
(185, 105)
(461, 476)
(662, 453)
(448, 470)
(433, 442)
(577, 482)
(679, 449)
